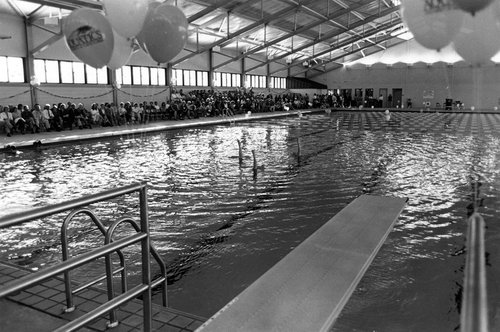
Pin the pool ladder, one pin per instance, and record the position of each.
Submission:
(142, 236)
(108, 276)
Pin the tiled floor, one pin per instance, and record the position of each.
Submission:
(49, 297)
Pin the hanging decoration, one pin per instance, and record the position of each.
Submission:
(472, 6)
(109, 39)
(472, 26)
(165, 32)
(89, 36)
(434, 25)
(478, 39)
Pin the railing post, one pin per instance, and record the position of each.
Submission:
(474, 311)
(146, 268)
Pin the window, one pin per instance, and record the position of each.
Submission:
(202, 78)
(16, 69)
(162, 76)
(154, 76)
(277, 83)
(145, 76)
(102, 76)
(91, 74)
(177, 77)
(136, 75)
(66, 72)
(78, 72)
(39, 70)
(124, 75)
(52, 71)
(11, 69)
(226, 79)
(186, 77)
(236, 79)
(256, 81)
(217, 79)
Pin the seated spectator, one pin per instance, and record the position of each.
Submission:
(19, 122)
(57, 120)
(29, 121)
(6, 121)
(47, 117)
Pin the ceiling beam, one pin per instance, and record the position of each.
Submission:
(347, 42)
(69, 4)
(208, 10)
(333, 35)
(351, 53)
(238, 33)
(302, 29)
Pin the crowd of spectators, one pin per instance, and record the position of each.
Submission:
(24, 119)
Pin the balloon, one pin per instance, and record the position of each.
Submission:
(89, 36)
(165, 33)
(478, 39)
(432, 28)
(121, 52)
(141, 36)
(34, 81)
(472, 6)
(126, 16)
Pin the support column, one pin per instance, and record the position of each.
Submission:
(243, 72)
(112, 76)
(169, 80)
(268, 76)
(211, 68)
(30, 63)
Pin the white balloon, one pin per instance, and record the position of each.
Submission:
(122, 51)
(432, 29)
(479, 38)
(126, 16)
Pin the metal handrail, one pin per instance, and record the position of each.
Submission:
(72, 263)
(474, 311)
(25, 216)
(105, 250)
(154, 253)
(65, 255)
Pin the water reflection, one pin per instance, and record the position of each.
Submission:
(219, 226)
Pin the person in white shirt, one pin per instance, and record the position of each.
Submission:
(6, 120)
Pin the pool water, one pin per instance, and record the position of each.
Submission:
(219, 225)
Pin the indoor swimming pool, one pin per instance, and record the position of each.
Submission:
(219, 225)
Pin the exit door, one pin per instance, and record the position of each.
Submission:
(397, 98)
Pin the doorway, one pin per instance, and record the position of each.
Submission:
(397, 98)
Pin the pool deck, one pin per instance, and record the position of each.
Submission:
(42, 305)
(77, 135)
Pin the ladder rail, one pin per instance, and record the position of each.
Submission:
(65, 255)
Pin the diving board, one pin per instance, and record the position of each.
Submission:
(307, 289)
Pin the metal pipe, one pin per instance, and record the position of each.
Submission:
(152, 250)
(146, 267)
(474, 312)
(25, 216)
(72, 263)
(102, 309)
